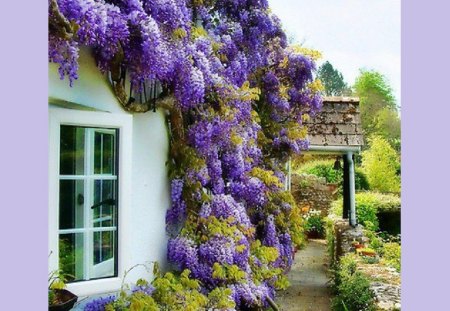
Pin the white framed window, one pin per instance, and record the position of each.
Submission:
(89, 197)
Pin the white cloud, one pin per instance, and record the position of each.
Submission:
(351, 34)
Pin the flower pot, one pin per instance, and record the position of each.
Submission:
(370, 254)
(65, 300)
(313, 234)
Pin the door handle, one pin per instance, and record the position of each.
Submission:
(109, 201)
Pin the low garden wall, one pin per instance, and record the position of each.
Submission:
(313, 193)
(366, 269)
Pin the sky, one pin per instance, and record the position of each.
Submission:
(350, 34)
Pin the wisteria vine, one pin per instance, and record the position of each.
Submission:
(238, 96)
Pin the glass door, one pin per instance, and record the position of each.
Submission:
(88, 202)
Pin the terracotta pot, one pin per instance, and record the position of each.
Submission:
(370, 254)
(67, 299)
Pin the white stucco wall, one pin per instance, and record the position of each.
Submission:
(150, 196)
(90, 89)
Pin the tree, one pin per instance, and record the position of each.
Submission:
(378, 106)
(381, 164)
(332, 80)
(387, 125)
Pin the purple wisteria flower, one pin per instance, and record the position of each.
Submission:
(146, 289)
(241, 93)
(99, 303)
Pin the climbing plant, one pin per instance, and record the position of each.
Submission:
(237, 96)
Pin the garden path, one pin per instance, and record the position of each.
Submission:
(309, 280)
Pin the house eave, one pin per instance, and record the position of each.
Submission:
(333, 149)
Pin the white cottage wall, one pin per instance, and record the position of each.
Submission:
(150, 196)
(150, 191)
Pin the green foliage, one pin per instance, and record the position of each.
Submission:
(368, 204)
(174, 292)
(375, 242)
(336, 207)
(262, 271)
(354, 294)
(219, 299)
(142, 302)
(331, 240)
(352, 287)
(332, 80)
(391, 253)
(387, 125)
(323, 168)
(316, 224)
(381, 201)
(228, 272)
(361, 181)
(265, 254)
(377, 105)
(381, 164)
(56, 280)
(366, 214)
(290, 220)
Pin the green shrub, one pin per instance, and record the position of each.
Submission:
(325, 169)
(352, 287)
(391, 253)
(322, 168)
(336, 207)
(361, 181)
(315, 223)
(355, 294)
(368, 204)
(381, 164)
(375, 242)
(331, 240)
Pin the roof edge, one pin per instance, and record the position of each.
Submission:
(340, 99)
(333, 149)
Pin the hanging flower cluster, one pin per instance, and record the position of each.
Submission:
(240, 97)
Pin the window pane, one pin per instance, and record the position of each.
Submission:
(104, 247)
(71, 256)
(72, 150)
(104, 214)
(71, 204)
(104, 150)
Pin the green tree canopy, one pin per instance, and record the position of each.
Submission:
(387, 125)
(381, 164)
(332, 80)
(378, 106)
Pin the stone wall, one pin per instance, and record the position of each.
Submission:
(385, 281)
(313, 193)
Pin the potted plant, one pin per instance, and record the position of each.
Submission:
(59, 298)
(314, 227)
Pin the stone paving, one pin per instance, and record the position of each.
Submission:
(309, 280)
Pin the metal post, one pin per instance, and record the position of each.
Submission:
(345, 189)
(351, 171)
